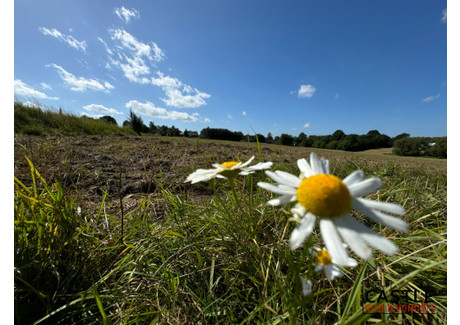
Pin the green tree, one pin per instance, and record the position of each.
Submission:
(136, 122)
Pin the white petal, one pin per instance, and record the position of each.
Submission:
(379, 217)
(304, 167)
(262, 165)
(379, 242)
(316, 164)
(384, 206)
(365, 187)
(302, 231)
(353, 239)
(246, 163)
(307, 286)
(333, 242)
(201, 175)
(284, 178)
(299, 211)
(283, 199)
(319, 267)
(332, 271)
(355, 177)
(278, 188)
(326, 167)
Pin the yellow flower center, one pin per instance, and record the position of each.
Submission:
(227, 172)
(229, 164)
(323, 257)
(324, 195)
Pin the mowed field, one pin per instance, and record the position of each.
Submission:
(189, 254)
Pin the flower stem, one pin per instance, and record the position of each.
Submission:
(232, 185)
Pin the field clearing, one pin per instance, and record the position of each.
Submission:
(190, 253)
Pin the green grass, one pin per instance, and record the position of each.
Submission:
(37, 121)
(191, 254)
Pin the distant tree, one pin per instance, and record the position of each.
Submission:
(186, 133)
(108, 119)
(286, 139)
(269, 138)
(136, 122)
(300, 139)
(126, 124)
(152, 127)
(338, 135)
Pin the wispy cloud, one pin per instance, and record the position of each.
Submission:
(306, 91)
(430, 98)
(149, 109)
(229, 116)
(206, 120)
(45, 86)
(244, 113)
(306, 125)
(444, 16)
(126, 14)
(101, 109)
(130, 55)
(68, 39)
(26, 91)
(80, 83)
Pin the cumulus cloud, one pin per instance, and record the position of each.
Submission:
(244, 113)
(306, 91)
(26, 91)
(80, 83)
(68, 39)
(444, 16)
(430, 98)
(149, 109)
(126, 14)
(136, 59)
(101, 109)
(186, 98)
(206, 120)
(306, 125)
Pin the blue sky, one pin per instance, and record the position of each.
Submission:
(264, 66)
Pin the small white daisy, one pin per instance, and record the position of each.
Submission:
(319, 194)
(229, 169)
(327, 264)
(307, 286)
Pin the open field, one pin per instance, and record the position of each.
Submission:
(189, 254)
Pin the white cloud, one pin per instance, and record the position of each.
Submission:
(70, 40)
(229, 116)
(80, 83)
(166, 81)
(206, 120)
(244, 113)
(96, 116)
(126, 14)
(149, 109)
(137, 48)
(306, 125)
(430, 98)
(45, 86)
(101, 109)
(444, 16)
(24, 90)
(192, 99)
(306, 91)
(130, 55)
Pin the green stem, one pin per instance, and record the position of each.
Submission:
(232, 185)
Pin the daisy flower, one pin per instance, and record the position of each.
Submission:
(229, 169)
(330, 199)
(328, 265)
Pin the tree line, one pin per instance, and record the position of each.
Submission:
(402, 144)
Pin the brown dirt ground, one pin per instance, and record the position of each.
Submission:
(89, 166)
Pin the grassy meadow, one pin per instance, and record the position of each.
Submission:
(107, 232)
